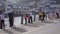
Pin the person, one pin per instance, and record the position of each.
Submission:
(2, 24)
(54, 15)
(26, 18)
(57, 15)
(46, 16)
(21, 18)
(41, 16)
(11, 19)
(30, 18)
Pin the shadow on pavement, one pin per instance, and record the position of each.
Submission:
(7, 31)
(19, 29)
(33, 25)
(49, 22)
(37, 24)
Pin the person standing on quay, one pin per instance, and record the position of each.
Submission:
(26, 18)
(11, 19)
(41, 16)
(30, 20)
(2, 24)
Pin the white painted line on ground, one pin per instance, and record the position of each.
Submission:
(36, 29)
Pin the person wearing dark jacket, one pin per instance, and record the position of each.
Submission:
(30, 18)
(11, 19)
(57, 15)
(21, 18)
